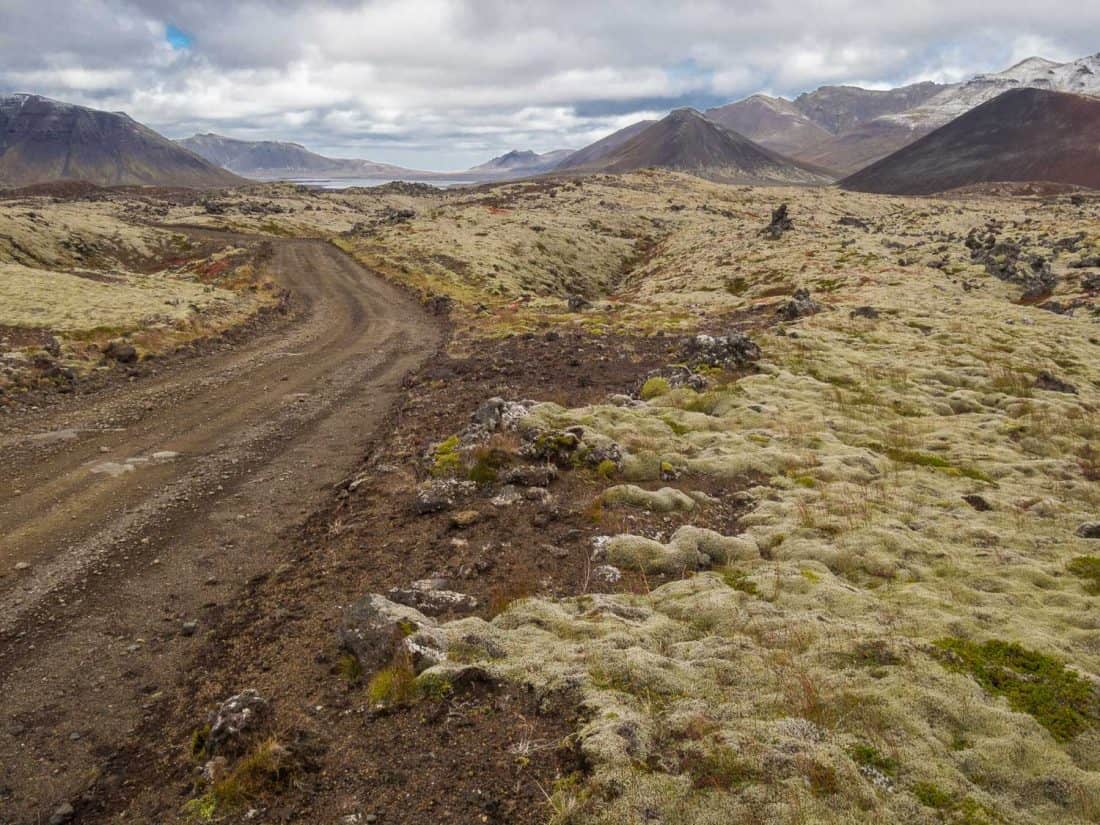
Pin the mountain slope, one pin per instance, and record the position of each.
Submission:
(772, 122)
(45, 140)
(686, 141)
(594, 152)
(874, 139)
(1022, 135)
(269, 159)
(519, 163)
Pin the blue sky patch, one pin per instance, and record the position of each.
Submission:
(177, 38)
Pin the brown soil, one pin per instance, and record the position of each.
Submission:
(456, 760)
(107, 549)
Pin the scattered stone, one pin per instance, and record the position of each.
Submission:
(780, 223)
(189, 628)
(864, 312)
(978, 503)
(800, 306)
(494, 415)
(578, 303)
(238, 714)
(542, 475)
(441, 494)
(1089, 530)
(851, 220)
(1050, 382)
(431, 597)
(375, 628)
(1004, 260)
(606, 574)
(121, 351)
(465, 518)
(677, 376)
(731, 351)
(439, 304)
(22, 565)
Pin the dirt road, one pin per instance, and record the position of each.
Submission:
(128, 523)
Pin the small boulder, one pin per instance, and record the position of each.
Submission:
(780, 223)
(375, 628)
(1089, 530)
(527, 475)
(431, 597)
(800, 306)
(867, 312)
(731, 351)
(1052, 383)
(238, 714)
(578, 303)
(121, 351)
(440, 494)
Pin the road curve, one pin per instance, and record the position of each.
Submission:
(125, 523)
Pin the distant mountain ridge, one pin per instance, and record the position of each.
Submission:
(523, 162)
(687, 141)
(44, 140)
(1023, 134)
(862, 126)
(270, 159)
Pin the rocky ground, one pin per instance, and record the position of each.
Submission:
(709, 511)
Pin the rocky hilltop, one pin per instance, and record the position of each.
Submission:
(43, 140)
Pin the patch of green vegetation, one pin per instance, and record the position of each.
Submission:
(738, 580)
(266, 766)
(869, 756)
(200, 738)
(350, 669)
(931, 795)
(1087, 568)
(482, 472)
(933, 461)
(607, 469)
(720, 769)
(446, 460)
(654, 388)
(395, 685)
(1056, 697)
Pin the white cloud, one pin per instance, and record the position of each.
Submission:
(445, 83)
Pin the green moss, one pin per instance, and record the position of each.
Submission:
(446, 460)
(655, 387)
(934, 461)
(738, 580)
(1087, 568)
(607, 469)
(350, 669)
(482, 472)
(931, 795)
(394, 685)
(1060, 700)
(869, 756)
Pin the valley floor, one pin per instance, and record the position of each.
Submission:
(836, 562)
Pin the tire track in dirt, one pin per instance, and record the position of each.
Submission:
(139, 516)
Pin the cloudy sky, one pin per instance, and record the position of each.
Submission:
(444, 84)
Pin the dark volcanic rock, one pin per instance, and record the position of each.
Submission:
(1048, 381)
(780, 223)
(800, 306)
(731, 351)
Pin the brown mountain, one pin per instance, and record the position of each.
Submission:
(833, 127)
(44, 140)
(686, 141)
(773, 122)
(604, 146)
(1022, 135)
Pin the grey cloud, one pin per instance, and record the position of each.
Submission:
(443, 83)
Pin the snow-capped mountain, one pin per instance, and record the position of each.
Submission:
(1078, 77)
